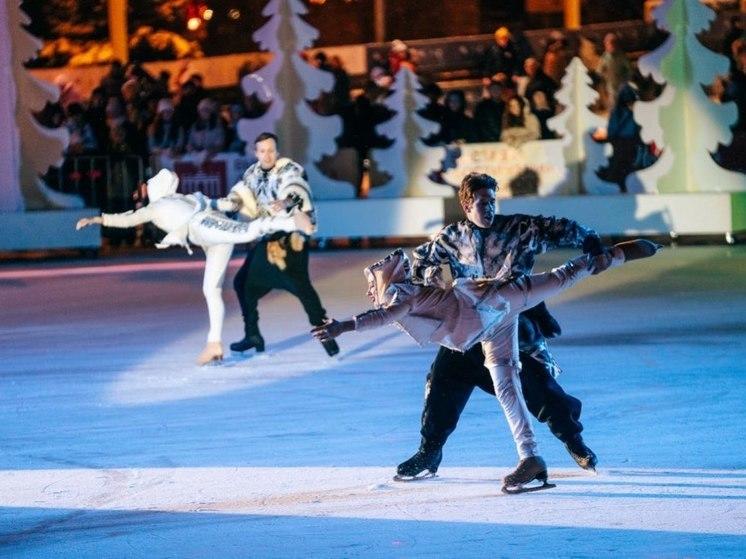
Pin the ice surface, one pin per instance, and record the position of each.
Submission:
(113, 444)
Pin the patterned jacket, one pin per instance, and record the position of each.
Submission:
(258, 188)
(506, 249)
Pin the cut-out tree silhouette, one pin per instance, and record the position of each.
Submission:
(27, 149)
(408, 159)
(683, 121)
(575, 124)
(286, 84)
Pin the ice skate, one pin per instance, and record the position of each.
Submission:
(639, 248)
(254, 341)
(583, 456)
(213, 352)
(528, 470)
(331, 347)
(423, 465)
(327, 340)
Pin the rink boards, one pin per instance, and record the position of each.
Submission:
(674, 214)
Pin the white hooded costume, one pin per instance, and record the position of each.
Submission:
(187, 218)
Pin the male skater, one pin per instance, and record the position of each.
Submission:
(273, 186)
(479, 310)
(485, 245)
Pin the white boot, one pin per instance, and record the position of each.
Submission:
(213, 352)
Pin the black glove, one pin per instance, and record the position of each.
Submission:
(592, 245)
(602, 256)
(545, 322)
(293, 200)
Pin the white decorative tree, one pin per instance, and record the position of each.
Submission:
(575, 124)
(27, 149)
(408, 159)
(287, 83)
(683, 121)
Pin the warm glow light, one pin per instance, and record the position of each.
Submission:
(234, 14)
(207, 14)
(193, 23)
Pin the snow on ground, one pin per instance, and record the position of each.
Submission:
(113, 444)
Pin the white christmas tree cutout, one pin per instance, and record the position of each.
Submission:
(408, 160)
(575, 124)
(28, 148)
(287, 83)
(683, 121)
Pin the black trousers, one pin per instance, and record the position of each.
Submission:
(453, 377)
(257, 277)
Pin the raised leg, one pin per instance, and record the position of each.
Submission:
(501, 359)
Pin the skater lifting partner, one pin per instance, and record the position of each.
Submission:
(272, 186)
(483, 245)
(189, 219)
(478, 309)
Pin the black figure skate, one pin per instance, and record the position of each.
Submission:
(580, 452)
(639, 248)
(423, 465)
(331, 347)
(528, 470)
(254, 341)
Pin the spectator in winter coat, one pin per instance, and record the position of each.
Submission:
(519, 124)
(613, 68)
(623, 133)
(207, 134)
(457, 125)
(501, 61)
(165, 135)
(488, 114)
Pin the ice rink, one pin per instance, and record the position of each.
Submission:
(114, 444)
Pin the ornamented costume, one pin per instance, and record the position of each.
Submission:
(188, 219)
(507, 248)
(469, 311)
(280, 262)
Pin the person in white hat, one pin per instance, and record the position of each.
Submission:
(189, 219)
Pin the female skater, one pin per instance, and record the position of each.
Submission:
(477, 310)
(187, 218)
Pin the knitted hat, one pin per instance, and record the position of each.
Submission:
(164, 104)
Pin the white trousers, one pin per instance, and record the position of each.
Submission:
(217, 234)
(501, 351)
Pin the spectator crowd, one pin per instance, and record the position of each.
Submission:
(136, 115)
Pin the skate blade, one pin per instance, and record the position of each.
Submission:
(214, 362)
(250, 355)
(420, 477)
(526, 488)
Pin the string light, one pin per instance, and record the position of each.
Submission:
(197, 13)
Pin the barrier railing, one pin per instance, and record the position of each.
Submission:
(102, 181)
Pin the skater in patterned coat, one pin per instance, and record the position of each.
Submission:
(486, 244)
(474, 310)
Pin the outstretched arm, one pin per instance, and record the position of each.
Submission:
(373, 318)
(86, 221)
(297, 222)
(122, 220)
(554, 232)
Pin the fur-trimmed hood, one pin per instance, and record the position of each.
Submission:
(393, 269)
(163, 184)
